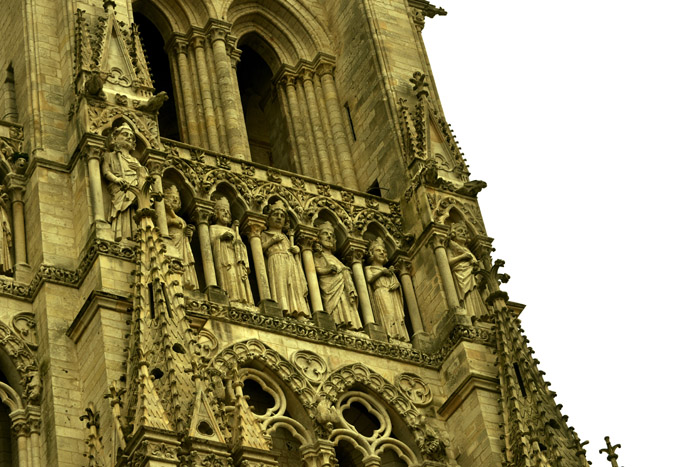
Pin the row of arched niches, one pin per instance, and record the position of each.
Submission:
(260, 239)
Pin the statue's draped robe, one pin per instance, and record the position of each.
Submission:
(287, 283)
(125, 166)
(176, 230)
(465, 280)
(388, 303)
(338, 292)
(231, 263)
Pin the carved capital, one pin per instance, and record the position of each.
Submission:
(305, 237)
(325, 68)
(197, 39)
(177, 44)
(15, 187)
(154, 161)
(92, 146)
(202, 213)
(354, 251)
(253, 224)
(217, 30)
(404, 266)
(307, 74)
(439, 240)
(288, 79)
(233, 52)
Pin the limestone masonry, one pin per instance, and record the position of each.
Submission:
(241, 233)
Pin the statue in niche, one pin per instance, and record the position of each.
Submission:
(337, 289)
(386, 291)
(6, 263)
(462, 263)
(180, 236)
(287, 283)
(122, 171)
(230, 254)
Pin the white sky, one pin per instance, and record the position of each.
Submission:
(584, 120)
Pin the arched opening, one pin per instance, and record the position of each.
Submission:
(348, 455)
(154, 48)
(268, 136)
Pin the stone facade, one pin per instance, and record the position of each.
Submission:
(298, 274)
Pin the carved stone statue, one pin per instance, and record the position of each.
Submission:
(337, 289)
(230, 254)
(6, 263)
(462, 263)
(386, 292)
(287, 283)
(122, 171)
(180, 236)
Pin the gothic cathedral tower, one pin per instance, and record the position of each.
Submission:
(241, 233)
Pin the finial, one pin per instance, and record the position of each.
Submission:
(420, 84)
(610, 451)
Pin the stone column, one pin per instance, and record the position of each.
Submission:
(319, 454)
(15, 188)
(354, 252)
(92, 151)
(439, 241)
(198, 43)
(307, 130)
(327, 133)
(317, 127)
(286, 111)
(34, 447)
(202, 214)
(252, 226)
(178, 45)
(340, 137)
(177, 91)
(404, 267)
(307, 168)
(154, 163)
(240, 133)
(218, 31)
(20, 431)
(305, 239)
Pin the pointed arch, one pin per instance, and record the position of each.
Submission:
(289, 27)
(175, 16)
(253, 351)
(19, 365)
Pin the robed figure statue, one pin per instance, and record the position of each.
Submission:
(462, 262)
(230, 254)
(180, 236)
(122, 171)
(335, 281)
(386, 292)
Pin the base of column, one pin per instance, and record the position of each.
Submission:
(270, 308)
(376, 332)
(23, 273)
(324, 321)
(216, 294)
(422, 341)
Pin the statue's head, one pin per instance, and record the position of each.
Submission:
(123, 137)
(222, 211)
(459, 233)
(377, 251)
(277, 215)
(326, 236)
(171, 198)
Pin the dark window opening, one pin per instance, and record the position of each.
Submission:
(352, 126)
(347, 455)
(159, 65)
(358, 416)
(268, 136)
(520, 379)
(258, 399)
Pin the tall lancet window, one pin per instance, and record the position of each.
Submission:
(154, 47)
(264, 119)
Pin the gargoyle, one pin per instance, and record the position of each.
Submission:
(154, 103)
(93, 86)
